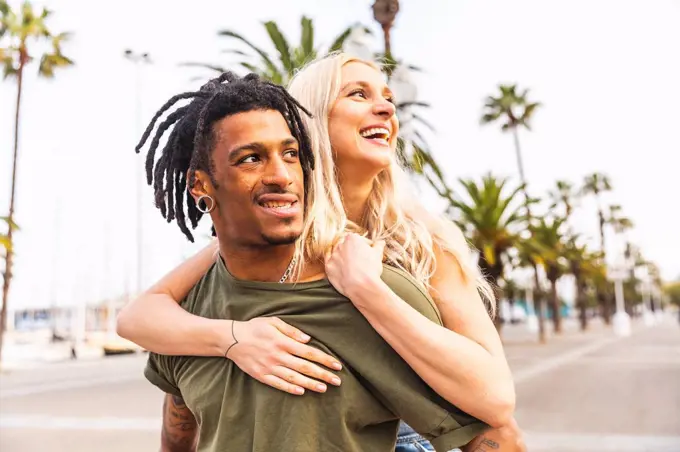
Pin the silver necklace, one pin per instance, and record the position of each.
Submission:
(288, 271)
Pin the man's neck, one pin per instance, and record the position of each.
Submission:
(263, 263)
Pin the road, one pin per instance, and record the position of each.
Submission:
(580, 392)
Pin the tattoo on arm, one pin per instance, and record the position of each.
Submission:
(487, 445)
(481, 444)
(180, 429)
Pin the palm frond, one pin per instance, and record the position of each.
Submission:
(263, 55)
(307, 36)
(281, 45)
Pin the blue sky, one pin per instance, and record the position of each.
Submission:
(606, 73)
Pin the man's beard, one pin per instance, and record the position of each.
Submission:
(288, 239)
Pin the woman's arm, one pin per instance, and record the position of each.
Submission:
(266, 348)
(464, 364)
(156, 322)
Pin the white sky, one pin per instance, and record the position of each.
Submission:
(607, 73)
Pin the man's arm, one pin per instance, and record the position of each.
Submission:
(180, 430)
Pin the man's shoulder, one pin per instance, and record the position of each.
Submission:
(202, 291)
(406, 287)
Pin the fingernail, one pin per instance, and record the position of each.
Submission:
(304, 337)
(335, 381)
(321, 387)
(299, 391)
(337, 366)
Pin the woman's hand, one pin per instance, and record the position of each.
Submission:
(276, 354)
(354, 262)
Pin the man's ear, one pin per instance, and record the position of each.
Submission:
(202, 185)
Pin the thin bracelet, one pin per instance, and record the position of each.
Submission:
(234, 337)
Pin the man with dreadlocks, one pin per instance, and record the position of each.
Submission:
(241, 150)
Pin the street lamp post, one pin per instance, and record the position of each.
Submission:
(139, 59)
(532, 320)
(656, 296)
(647, 314)
(621, 320)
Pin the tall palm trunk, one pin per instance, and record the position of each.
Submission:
(580, 287)
(538, 305)
(555, 306)
(387, 31)
(602, 222)
(23, 57)
(384, 12)
(538, 298)
(520, 164)
(605, 295)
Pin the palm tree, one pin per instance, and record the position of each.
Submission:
(384, 12)
(582, 263)
(596, 184)
(491, 218)
(511, 292)
(617, 221)
(513, 110)
(547, 235)
(565, 196)
(4, 238)
(18, 30)
(289, 59)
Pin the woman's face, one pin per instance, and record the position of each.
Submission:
(362, 124)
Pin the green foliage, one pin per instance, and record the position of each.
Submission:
(548, 244)
(672, 291)
(23, 28)
(513, 109)
(278, 66)
(490, 215)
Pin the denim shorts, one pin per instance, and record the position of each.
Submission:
(410, 441)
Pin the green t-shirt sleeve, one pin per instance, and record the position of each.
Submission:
(159, 372)
(406, 394)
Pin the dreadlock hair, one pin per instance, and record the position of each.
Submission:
(189, 145)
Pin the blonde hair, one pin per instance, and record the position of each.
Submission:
(410, 232)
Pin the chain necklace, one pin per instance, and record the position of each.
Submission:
(288, 271)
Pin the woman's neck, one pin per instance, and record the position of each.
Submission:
(354, 199)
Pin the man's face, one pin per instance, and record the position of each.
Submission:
(259, 184)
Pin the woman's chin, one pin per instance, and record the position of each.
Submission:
(376, 157)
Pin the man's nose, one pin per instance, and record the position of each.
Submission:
(277, 173)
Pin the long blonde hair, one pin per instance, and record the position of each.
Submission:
(392, 214)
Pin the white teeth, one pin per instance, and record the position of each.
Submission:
(376, 131)
(277, 205)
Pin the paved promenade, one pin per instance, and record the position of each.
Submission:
(580, 392)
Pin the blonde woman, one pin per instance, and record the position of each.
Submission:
(354, 134)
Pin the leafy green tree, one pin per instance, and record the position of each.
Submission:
(489, 214)
(513, 111)
(20, 31)
(547, 235)
(278, 67)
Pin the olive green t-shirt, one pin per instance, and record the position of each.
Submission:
(237, 413)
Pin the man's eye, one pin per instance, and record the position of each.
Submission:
(249, 159)
(293, 153)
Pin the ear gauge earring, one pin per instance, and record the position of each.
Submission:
(207, 208)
